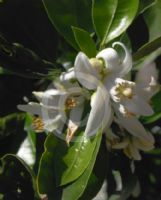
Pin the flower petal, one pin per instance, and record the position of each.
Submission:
(33, 108)
(144, 74)
(126, 64)
(132, 125)
(67, 76)
(85, 73)
(100, 113)
(144, 144)
(138, 106)
(111, 59)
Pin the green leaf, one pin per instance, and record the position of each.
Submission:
(147, 49)
(69, 13)
(69, 162)
(16, 178)
(145, 4)
(98, 174)
(112, 18)
(85, 42)
(74, 190)
(153, 20)
(8, 124)
(155, 102)
(47, 180)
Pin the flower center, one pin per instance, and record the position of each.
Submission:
(38, 124)
(70, 103)
(97, 64)
(123, 89)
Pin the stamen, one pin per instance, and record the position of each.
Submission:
(38, 124)
(70, 103)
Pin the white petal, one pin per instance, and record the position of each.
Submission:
(38, 95)
(32, 108)
(54, 98)
(144, 74)
(133, 126)
(67, 76)
(146, 143)
(126, 64)
(100, 113)
(52, 124)
(76, 114)
(111, 59)
(85, 73)
(134, 152)
(121, 145)
(138, 106)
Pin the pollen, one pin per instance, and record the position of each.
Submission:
(38, 124)
(127, 92)
(70, 103)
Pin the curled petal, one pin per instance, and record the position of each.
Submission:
(85, 73)
(126, 64)
(100, 113)
(111, 59)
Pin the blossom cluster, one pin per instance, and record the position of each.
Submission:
(113, 99)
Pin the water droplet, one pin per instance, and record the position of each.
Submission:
(76, 150)
(75, 166)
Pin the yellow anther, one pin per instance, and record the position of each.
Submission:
(70, 103)
(38, 124)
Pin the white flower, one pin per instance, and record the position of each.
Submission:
(131, 100)
(132, 145)
(53, 106)
(99, 74)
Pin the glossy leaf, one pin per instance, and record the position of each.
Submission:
(16, 179)
(68, 13)
(69, 162)
(152, 17)
(85, 42)
(74, 190)
(145, 4)
(112, 18)
(147, 49)
(98, 174)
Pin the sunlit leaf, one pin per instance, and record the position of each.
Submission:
(111, 18)
(74, 190)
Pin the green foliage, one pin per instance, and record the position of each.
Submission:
(112, 18)
(76, 165)
(16, 179)
(85, 42)
(66, 14)
(145, 4)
